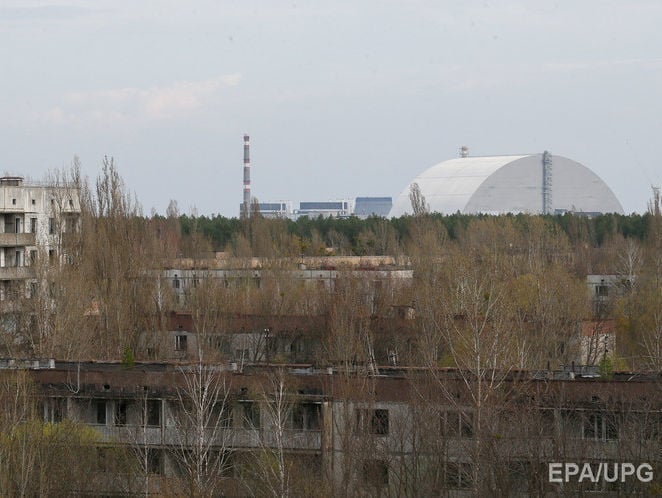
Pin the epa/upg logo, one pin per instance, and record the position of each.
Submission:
(599, 472)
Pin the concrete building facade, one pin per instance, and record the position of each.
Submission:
(34, 219)
(404, 432)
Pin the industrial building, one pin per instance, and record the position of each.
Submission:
(532, 184)
(362, 207)
(365, 207)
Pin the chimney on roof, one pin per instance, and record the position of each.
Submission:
(464, 151)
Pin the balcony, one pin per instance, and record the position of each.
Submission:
(16, 272)
(17, 239)
(233, 438)
(136, 435)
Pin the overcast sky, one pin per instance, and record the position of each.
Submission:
(340, 98)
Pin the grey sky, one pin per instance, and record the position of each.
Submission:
(341, 98)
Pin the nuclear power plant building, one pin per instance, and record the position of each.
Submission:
(534, 184)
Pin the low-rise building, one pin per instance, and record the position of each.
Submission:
(404, 432)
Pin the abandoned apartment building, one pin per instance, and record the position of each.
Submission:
(406, 431)
(34, 221)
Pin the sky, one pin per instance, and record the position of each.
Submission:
(341, 98)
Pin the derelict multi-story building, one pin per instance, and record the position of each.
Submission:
(33, 218)
(401, 432)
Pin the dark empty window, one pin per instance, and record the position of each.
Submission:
(152, 417)
(600, 426)
(251, 419)
(458, 475)
(51, 226)
(374, 421)
(101, 412)
(33, 225)
(154, 461)
(602, 290)
(13, 201)
(55, 410)
(175, 283)
(223, 415)
(120, 412)
(375, 473)
(457, 424)
(181, 343)
(70, 224)
(306, 416)
(592, 426)
(379, 422)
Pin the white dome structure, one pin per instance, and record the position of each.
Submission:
(510, 184)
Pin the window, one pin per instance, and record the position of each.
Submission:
(375, 473)
(54, 410)
(651, 424)
(70, 224)
(519, 474)
(51, 256)
(17, 259)
(251, 415)
(570, 423)
(71, 203)
(34, 203)
(101, 412)
(379, 422)
(33, 225)
(51, 226)
(242, 354)
(602, 290)
(547, 422)
(375, 421)
(175, 283)
(600, 426)
(13, 201)
(121, 407)
(306, 417)
(17, 226)
(33, 256)
(152, 413)
(181, 343)
(223, 414)
(154, 461)
(458, 475)
(33, 290)
(457, 424)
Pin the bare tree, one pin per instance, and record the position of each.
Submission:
(418, 203)
(202, 415)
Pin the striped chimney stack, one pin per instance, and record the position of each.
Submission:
(247, 177)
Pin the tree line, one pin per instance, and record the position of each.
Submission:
(359, 236)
